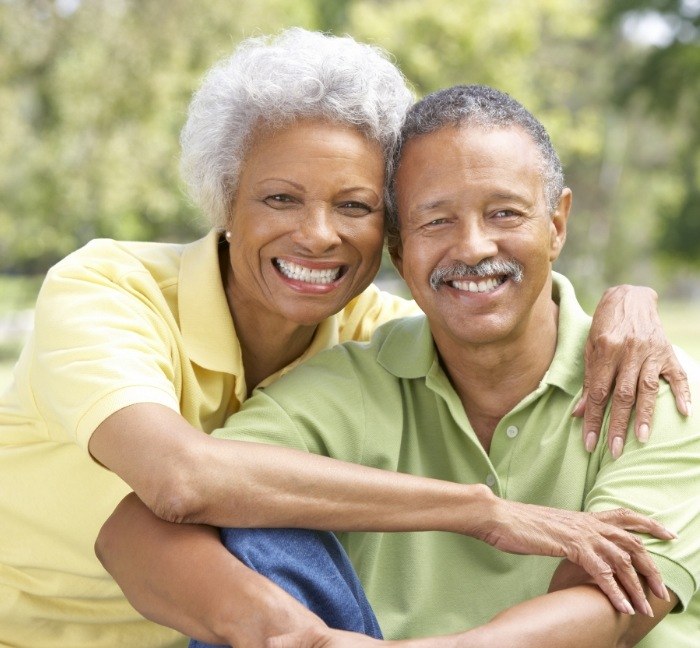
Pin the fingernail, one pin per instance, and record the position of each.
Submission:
(666, 597)
(647, 609)
(689, 408)
(616, 450)
(628, 607)
(591, 439)
(643, 433)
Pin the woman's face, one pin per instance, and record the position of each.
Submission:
(307, 225)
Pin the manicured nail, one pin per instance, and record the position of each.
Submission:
(628, 607)
(591, 440)
(689, 408)
(643, 433)
(666, 596)
(647, 609)
(616, 447)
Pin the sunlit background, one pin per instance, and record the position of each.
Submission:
(93, 94)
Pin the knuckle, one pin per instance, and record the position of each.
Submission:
(598, 394)
(625, 393)
(625, 560)
(624, 514)
(650, 383)
(677, 373)
(607, 341)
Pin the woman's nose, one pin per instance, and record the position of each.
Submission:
(317, 231)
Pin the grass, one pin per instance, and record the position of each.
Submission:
(681, 320)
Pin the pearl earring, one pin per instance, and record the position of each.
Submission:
(227, 236)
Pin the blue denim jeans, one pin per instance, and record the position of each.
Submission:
(313, 567)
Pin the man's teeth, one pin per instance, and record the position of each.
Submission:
(481, 286)
(309, 275)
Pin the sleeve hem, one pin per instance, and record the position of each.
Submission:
(677, 579)
(116, 400)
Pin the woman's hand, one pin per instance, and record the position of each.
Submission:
(598, 542)
(626, 353)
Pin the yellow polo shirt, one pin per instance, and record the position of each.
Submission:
(116, 324)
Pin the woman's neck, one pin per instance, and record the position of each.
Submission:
(268, 342)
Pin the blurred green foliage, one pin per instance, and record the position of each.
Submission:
(93, 94)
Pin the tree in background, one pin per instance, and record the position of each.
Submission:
(94, 93)
(660, 75)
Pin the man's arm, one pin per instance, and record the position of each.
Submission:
(573, 614)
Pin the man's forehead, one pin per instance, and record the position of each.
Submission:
(459, 153)
(464, 133)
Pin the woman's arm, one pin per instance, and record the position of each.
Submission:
(183, 577)
(186, 476)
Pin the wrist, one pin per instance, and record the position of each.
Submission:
(479, 512)
(257, 611)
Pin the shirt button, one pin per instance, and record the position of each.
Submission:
(512, 431)
(490, 480)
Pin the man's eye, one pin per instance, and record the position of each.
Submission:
(436, 221)
(505, 213)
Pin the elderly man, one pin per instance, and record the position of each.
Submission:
(481, 390)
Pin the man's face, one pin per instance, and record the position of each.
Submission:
(472, 200)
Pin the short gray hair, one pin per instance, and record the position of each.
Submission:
(483, 107)
(273, 81)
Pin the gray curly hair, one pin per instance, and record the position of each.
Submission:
(274, 80)
(483, 107)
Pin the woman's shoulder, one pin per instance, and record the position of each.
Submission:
(369, 310)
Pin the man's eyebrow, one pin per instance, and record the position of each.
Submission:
(509, 196)
(430, 205)
(437, 203)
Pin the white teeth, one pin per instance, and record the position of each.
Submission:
(486, 285)
(308, 275)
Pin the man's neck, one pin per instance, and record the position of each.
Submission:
(491, 379)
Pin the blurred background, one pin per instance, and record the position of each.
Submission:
(93, 94)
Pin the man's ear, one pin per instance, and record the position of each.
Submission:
(558, 224)
(395, 252)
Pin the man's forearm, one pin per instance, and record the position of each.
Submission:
(579, 617)
(182, 576)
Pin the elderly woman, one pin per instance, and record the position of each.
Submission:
(138, 348)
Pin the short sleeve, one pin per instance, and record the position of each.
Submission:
(102, 341)
(660, 479)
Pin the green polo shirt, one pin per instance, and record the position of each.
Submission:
(389, 404)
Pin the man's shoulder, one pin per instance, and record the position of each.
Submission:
(356, 364)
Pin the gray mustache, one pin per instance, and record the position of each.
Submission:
(485, 268)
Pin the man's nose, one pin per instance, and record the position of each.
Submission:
(473, 242)
(317, 231)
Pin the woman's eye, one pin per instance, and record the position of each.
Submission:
(354, 208)
(278, 200)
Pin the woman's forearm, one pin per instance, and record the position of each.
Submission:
(183, 475)
(186, 476)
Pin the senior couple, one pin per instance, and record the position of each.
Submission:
(139, 347)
